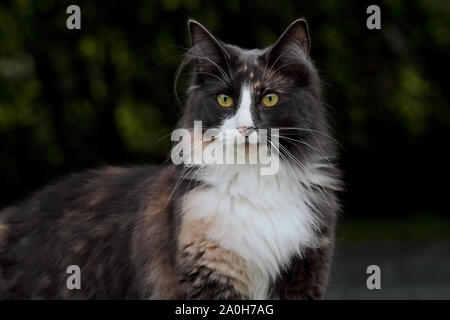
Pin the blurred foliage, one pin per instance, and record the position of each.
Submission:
(71, 99)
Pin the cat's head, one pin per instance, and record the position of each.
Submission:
(243, 91)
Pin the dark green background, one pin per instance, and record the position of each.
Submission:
(73, 99)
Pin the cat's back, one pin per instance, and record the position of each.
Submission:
(84, 219)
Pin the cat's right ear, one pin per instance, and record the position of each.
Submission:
(207, 51)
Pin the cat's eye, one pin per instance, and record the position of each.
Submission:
(270, 99)
(224, 100)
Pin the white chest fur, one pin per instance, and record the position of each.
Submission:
(264, 219)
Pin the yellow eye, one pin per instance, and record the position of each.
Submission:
(270, 99)
(224, 100)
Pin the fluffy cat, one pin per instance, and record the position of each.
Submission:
(197, 230)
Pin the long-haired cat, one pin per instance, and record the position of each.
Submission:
(197, 230)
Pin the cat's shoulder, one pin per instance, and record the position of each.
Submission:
(83, 188)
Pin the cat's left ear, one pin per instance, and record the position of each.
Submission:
(296, 34)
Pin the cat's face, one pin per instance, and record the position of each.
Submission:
(242, 91)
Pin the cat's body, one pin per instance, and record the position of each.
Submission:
(197, 232)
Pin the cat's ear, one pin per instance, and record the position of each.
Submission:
(288, 54)
(206, 49)
(296, 34)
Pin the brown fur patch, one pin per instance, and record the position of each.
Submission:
(153, 241)
(3, 228)
(325, 241)
(194, 240)
(113, 170)
(257, 85)
(160, 195)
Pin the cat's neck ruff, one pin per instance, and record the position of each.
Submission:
(264, 219)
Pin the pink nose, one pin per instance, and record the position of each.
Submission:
(243, 130)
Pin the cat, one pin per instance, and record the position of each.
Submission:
(197, 230)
